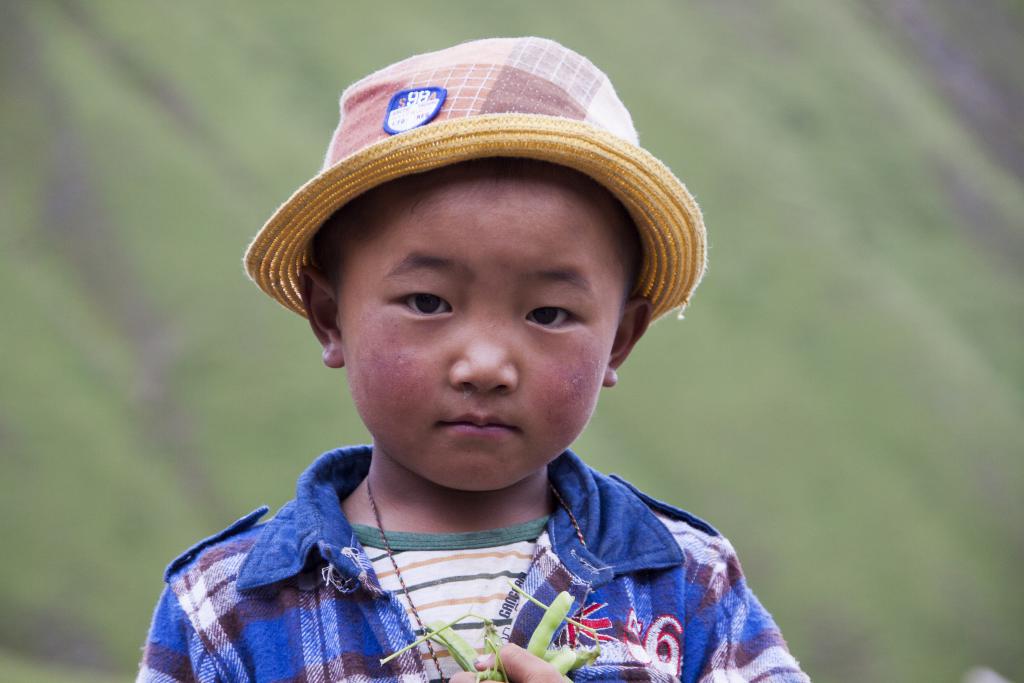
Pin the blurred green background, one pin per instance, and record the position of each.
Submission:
(844, 399)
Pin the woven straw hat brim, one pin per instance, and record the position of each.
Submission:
(667, 217)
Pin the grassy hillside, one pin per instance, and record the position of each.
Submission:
(844, 399)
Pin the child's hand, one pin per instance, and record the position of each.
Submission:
(520, 665)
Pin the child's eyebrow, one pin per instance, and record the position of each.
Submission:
(419, 261)
(568, 276)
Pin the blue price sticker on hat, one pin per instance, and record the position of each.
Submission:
(414, 107)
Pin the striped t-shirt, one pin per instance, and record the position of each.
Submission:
(448, 575)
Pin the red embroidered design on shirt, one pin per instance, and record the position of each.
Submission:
(574, 633)
(658, 644)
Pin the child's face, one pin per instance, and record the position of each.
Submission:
(478, 320)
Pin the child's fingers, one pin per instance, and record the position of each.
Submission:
(482, 675)
(523, 667)
(519, 665)
(482, 663)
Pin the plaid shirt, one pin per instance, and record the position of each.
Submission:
(295, 599)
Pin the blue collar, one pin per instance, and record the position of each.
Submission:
(621, 532)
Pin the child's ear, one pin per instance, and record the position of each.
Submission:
(320, 300)
(636, 316)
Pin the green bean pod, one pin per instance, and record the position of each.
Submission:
(549, 623)
(563, 660)
(581, 656)
(462, 652)
(584, 656)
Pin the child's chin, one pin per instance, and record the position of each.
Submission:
(475, 484)
(480, 480)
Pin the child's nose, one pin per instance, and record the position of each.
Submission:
(484, 366)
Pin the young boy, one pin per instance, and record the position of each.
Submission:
(483, 248)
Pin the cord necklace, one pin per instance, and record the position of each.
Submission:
(401, 581)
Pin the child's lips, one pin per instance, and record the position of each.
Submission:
(478, 425)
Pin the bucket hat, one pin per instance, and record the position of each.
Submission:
(508, 97)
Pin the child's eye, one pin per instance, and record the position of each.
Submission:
(427, 304)
(548, 316)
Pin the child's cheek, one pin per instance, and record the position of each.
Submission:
(571, 390)
(387, 376)
(383, 378)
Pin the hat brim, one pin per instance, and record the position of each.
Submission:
(667, 218)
